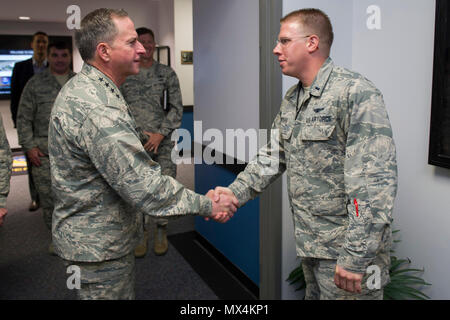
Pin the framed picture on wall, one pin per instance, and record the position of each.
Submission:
(439, 148)
(187, 57)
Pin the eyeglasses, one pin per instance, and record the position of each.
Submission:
(285, 41)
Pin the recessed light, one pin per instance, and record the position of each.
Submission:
(24, 18)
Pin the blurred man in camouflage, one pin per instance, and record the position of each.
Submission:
(5, 171)
(33, 118)
(102, 177)
(335, 141)
(22, 72)
(154, 98)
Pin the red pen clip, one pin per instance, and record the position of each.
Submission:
(356, 206)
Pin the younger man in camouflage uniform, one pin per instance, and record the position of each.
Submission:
(33, 118)
(157, 117)
(5, 171)
(335, 141)
(22, 72)
(103, 179)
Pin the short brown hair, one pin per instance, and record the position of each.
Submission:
(39, 33)
(315, 21)
(143, 30)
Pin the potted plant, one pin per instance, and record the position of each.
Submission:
(405, 282)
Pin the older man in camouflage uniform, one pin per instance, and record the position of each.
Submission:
(33, 119)
(103, 179)
(335, 141)
(154, 97)
(5, 170)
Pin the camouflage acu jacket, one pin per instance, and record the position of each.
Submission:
(35, 106)
(335, 141)
(5, 165)
(102, 178)
(144, 94)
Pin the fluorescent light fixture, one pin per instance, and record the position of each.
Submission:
(24, 18)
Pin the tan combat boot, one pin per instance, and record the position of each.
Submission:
(161, 245)
(141, 248)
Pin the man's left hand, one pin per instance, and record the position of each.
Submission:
(153, 142)
(347, 280)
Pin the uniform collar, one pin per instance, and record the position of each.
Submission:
(318, 84)
(322, 78)
(44, 63)
(152, 67)
(49, 75)
(100, 78)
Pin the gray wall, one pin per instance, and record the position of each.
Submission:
(226, 64)
(398, 58)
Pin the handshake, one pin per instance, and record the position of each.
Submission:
(224, 204)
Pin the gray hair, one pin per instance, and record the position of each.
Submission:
(97, 26)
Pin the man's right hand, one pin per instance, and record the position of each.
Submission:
(34, 156)
(223, 207)
(227, 191)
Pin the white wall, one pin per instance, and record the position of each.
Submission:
(399, 60)
(165, 36)
(226, 64)
(184, 41)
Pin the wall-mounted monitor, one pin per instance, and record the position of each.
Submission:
(7, 60)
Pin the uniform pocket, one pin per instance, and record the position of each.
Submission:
(286, 127)
(320, 132)
(359, 225)
(359, 212)
(331, 207)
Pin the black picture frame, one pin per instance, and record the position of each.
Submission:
(439, 143)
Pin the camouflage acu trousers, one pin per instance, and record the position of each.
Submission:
(319, 278)
(107, 280)
(43, 184)
(168, 168)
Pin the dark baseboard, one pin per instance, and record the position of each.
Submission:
(188, 108)
(226, 280)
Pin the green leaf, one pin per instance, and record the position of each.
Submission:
(407, 279)
(297, 272)
(408, 291)
(405, 270)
